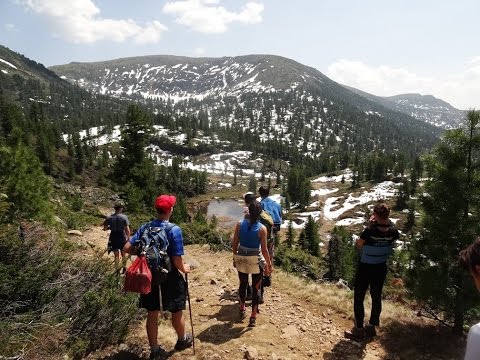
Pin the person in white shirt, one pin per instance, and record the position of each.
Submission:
(470, 260)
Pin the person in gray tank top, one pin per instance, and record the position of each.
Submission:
(119, 227)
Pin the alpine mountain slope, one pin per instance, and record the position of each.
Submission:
(422, 107)
(275, 98)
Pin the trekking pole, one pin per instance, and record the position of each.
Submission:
(190, 310)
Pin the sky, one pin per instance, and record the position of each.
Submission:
(384, 47)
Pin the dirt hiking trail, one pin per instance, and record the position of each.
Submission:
(289, 326)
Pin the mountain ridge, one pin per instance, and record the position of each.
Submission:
(427, 108)
(241, 69)
(181, 78)
(271, 95)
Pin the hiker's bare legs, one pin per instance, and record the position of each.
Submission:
(178, 323)
(116, 253)
(152, 328)
(124, 258)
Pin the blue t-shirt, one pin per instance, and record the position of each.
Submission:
(174, 236)
(249, 237)
(379, 241)
(273, 208)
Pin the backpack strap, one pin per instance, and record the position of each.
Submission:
(146, 239)
(168, 227)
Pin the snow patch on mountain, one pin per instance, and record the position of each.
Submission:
(8, 63)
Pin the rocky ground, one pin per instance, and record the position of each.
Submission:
(289, 326)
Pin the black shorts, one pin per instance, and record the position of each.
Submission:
(116, 241)
(174, 293)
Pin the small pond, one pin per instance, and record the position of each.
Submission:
(228, 212)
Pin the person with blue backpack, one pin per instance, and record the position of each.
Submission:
(157, 237)
(250, 256)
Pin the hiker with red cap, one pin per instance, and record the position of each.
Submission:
(173, 290)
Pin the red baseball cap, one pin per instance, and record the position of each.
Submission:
(165, 202)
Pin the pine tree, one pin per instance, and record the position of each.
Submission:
(133, 166)
(290, 236)
(312, 239)
(180, 213)
(341, 256)
(26, 185)
(451, 222)
(299, 187)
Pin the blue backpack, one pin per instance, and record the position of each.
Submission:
(154, 244)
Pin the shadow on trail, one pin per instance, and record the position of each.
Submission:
(128, 355)
(346, 349)
(409, 340)
(225, 330)
(122, 355)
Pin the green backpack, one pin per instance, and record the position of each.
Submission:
(267, 220)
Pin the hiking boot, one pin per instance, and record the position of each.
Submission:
(252, 322)
(158, 353)
(184, 343)
(370, 331)
(242, 311)
(357, 334)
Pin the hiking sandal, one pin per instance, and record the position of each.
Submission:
(252, 322)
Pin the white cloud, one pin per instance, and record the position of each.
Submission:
(79, 21)
(151, 34)
(200, 50)
(10, 27)
(461, 90)
(206, 17)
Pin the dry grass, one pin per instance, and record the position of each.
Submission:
(338, 299)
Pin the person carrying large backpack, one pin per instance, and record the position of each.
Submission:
(250, 256)
(274, 210)
(172, 284)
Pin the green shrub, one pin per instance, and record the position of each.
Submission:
(43, 286)
(203, 233)
(299, 262)
(103, 311)
(76, 203)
